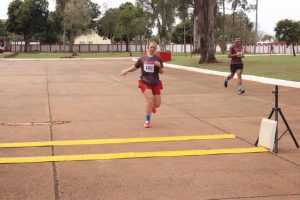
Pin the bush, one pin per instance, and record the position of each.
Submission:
(9, 54)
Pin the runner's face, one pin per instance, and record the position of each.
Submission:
(237, 41)
(152, 48)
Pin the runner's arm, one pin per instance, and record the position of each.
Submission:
(160, 68)
(130, 69)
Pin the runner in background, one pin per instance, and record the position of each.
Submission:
(236, 53)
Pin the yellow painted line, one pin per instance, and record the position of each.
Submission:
(116, 141)
(128, 155)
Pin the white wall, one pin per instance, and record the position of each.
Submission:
(91, 38)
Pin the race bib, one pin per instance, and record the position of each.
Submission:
(149, 68)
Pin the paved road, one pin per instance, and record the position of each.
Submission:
(87, 99)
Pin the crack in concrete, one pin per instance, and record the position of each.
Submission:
(54, 166)
(50, 123)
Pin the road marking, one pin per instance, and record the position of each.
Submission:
(116, 141)
(128, 155)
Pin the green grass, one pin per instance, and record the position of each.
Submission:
(285, 67)
(109, 54)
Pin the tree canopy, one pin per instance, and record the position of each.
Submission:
(162, 13)
(79, 16)
(178, 33)
(27, 18)
(288, 31)
(125, 23)
(3, 30)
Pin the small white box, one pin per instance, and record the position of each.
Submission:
(267, 133)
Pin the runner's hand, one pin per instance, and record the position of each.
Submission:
(157, 64)
(123, 73)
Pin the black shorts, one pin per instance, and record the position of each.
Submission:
(234, 67)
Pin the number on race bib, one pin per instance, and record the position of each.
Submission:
(149, 68)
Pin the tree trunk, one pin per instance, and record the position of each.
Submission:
(128, 46)
(71, 47)
(141, 42)
(256, 25)
(196, 32)
(163, 28)
(127, 42)
(207, 30)
(294, 53)
(234, 6)
(233, 26)
(72, 39)
(26, 45)
(223, 45)
(184, 35)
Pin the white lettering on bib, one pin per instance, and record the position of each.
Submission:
(149, 68)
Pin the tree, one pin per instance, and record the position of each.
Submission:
(243, 27)
(183, 13)
(154, 38)
(94, 10)
(107, 25)
(144, 26)
(53, 31)
(183, 33)
(78, 19)
(256, 22)
(128, 14)
(125, 23)
(61, 6)
(163, 14)
(207, 12)
(12, 23)
(196, 31)
(288, 31)
(235, 4)
(3, 30)
(27, 18)
(267, 37)
(95, 13)
(222, 36)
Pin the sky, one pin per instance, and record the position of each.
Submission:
(269, 11)
(272, 11)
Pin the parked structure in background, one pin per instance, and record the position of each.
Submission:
(91, 38)
(4, 43)
(271, 47)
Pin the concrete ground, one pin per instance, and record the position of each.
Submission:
(87, 99)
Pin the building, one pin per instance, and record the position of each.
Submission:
(91, 38)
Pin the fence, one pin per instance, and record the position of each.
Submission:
(77, 47)
(176, 48)
(277, 49)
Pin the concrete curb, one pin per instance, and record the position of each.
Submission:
(265, 80)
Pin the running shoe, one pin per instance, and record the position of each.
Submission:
(225, 82)
(241, 91)
(147, 124)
